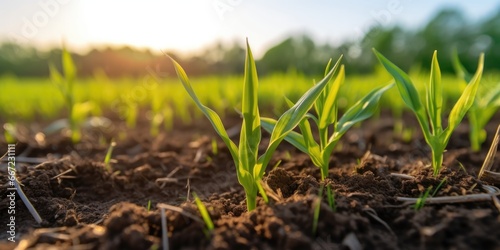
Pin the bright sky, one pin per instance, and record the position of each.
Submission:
(190, 24)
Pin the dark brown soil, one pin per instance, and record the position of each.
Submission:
(89, 207)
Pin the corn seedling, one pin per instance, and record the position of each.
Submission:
(65, 84)
(157, 114)
(131, 115)
(420, 203)
(327, 109)
(9, 133)
(168, 118)
(156, 121)
(407, 134)
(421, 200)
(149, 205)
(276, 165)
(215, 149)
(429, 116)
(483, 109)
(107, 159)
(250, 167)
(204, 214)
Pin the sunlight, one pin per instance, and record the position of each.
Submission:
(157, 25)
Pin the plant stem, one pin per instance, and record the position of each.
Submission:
(474, 139)
(437, 160)
(474, 134)
(72, 125)
(251, 200)
(324, 172)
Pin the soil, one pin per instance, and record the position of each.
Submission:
(86, 206)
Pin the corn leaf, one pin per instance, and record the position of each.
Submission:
(209, 113)
(405, 86)
(459, 67)
(318, 105)
(292, 117)
(360, 111)
(57, 79)
(250, 130)
(204, 212)
(435, 96)
(466, 99)
(294, 138)
(313, 149)
(493, 97)
(68, 68)
(329, 114)
(408, 93)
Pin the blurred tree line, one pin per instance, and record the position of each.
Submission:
(445, 32)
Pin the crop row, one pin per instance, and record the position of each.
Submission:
(332, 104)
(323, 98)
(25, 98)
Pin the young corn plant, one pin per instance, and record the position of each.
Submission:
(250, 167)
(429, 116)
(483, 109)
(107, 158)
(326, 109)
(204, 214)
(427, 194)
(65, 84)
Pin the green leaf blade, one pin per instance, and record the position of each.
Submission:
(318, 105)
(209, 113)
(292, 117)
(435, 96)
(459, 67)
(360, 111)
(68, 68)
(466, 99)
(250, 135)
(329, 110)
(294, 138)
(408, 93)
(204, 212)
(405, 86)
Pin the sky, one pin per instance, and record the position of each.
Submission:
(190, 25)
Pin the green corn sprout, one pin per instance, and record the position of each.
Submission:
(420, 203)
(107, 159)
(65, 85)
(131, 115)
(168, 118)
(424, 196)
(326, 109)
(429, 116)
(250, 167)
(483, 109)
(204, 213)
(215, 149)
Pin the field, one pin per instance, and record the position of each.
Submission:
(166, 150)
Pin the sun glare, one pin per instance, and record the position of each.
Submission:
(164, 25)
